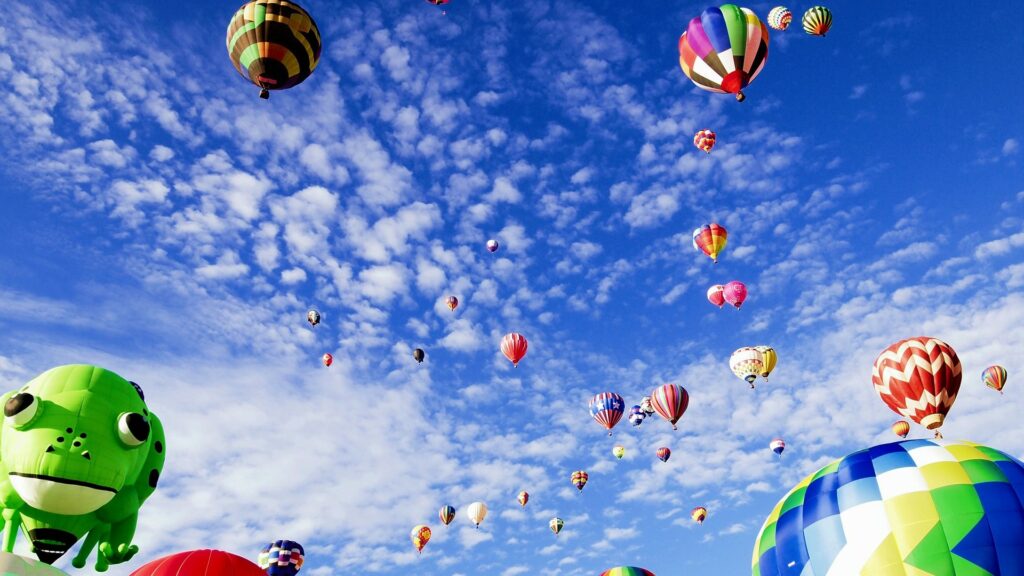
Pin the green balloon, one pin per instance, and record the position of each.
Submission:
(79, 454)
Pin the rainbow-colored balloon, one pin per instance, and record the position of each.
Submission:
(994, 377)
(922, 507)
(724, 49)
(780, 17)
(627, 571)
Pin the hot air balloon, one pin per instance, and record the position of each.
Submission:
(281, 558)
(420, 535)
(735, 293)
(994, 377)
(556, 525)
(418, 355)
(747, 363)
(200, 563)
(607, 408)
(769, 358)
(328, 359)
(313, 317)
(446, 514)
(627, 571)
(918, 378)
(699, 514)
(778, 445)
(724, 49)
(492, 246)
(716, 295)
(636, 416)
(579, 479)
(664, 454)
(704, 140)
(817, 21)
(710, 239)
(523, 498)
(780, 17)
(274, 44)
(619, 452)
(452, 303)
(476, 512)
(901, 428)
(918, 507)
(513, 346)
(670, 402)
(647, 406)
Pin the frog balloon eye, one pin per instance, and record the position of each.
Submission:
(133, 429)
(21, 409)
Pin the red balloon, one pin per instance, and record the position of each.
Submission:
(328, 359)
(735, 293)
(918, 378)
(513, 346)
(200, 563)
(716, 295)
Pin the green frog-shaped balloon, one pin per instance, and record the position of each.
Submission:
(79, 454)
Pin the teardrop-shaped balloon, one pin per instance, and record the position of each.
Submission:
(619, 452)
(556, 525)
(420, 536)
(476, 512)
(670, 402)
(664, 454)
(769, 359)
(418, 355)
(716, 295)
(994, 377)
(452, 302)
(636, 415)
(817, 21)
(710, 239)
(735, 293)
(918, 378)
(274, 44)
(313, 317)
(780, 17)
(281, 558)
(446, 514)
(699, 514)
(901, 428)
(523, 498)
(513, 346)
(778, 445)
(747, 363)
(327, 359)
(579, 479)
(492, 246)
(607, 409)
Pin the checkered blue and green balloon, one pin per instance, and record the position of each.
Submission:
(910, 508)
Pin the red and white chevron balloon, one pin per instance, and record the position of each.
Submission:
(918, 378)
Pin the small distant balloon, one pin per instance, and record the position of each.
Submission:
(699, 514)
(607, 409)
(780, 17)
(636, 416)
(476, 512)
(452, 303)
(446, 514)
(747, 363)
(778, 445)
(664, 454)
(994, 377)
(901, 428)
(647, 406)
(418, 355)
(817, 21)
(769, 358)
(735, 293)
(556, 525)
(670, 402)
(716, 295)
(523, 498)
(281, 558)
(328, 359)
(619, 452)
(492, 246)
(579, 479)
(704, 140)
(711, 240)
(513, 346)
(313, 317)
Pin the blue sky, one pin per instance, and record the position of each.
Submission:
(159, 219)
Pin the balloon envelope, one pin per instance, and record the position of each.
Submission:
(556, 525)
(513, 346)
(777, 446)
(994, 377)
(274, 44)
(619, 452)
(747, 363)
(920, 507)
(200, 563)
(627, 571)
(901, 428)
(699, 514)
(780, 18)
(636, 415)
(313, 317)
(664, 454)
(735, 293)
(704, 140)
(716, 295)
(523, 498)
(579, 479)
(446, 514)
(607, 409)
(281, 558)
(710, 239)
(817, 21)
(476, 512)
(918, 378)
(420, 535)
(492, 246)
(327, 359)
(670, 402)
(724, 49)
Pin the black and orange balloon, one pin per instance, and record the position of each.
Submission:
(275, 44)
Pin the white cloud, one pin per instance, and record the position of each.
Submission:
(227, 267)
(1010, 146)
(293, 276)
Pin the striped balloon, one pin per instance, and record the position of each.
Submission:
(710, 239)
(769, 358)
(281, 558)
(556, 525)
(670, 402)
(994, 377)
(446, 514)
(901, 428)
(704, 140)
(607, 408)
(780, 17)
(817, 21)
(747, 363)
(274, 44)
(664, 454)
(627, 571)
(918, 378)
(699, 514)
(579, 479)
(724, 49)
(513, 346)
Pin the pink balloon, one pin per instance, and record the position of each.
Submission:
(735, 293)
(715, 295)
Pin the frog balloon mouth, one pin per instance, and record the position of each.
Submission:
(60, 495)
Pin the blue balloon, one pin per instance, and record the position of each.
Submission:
(282, 558)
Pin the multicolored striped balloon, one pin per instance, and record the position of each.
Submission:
(724, 49)
(670, 402)
(699, 514)
(994, 377)
(711, 240)
(446, 514)
(918, 378)
(704, 140)
(817, 21)
(922, 507)
(607, 408)
(579, 479)
(901, 428)
(664, 454)
(627, 571)
(274, 44)
(780, 17)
